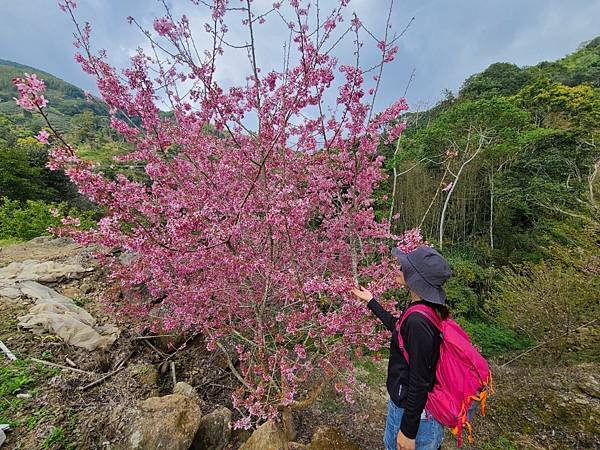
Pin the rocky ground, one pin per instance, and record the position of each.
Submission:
(136, 401)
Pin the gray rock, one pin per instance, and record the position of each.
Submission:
(182, 388)
(32, 269)
(41, 239)
(266, 437)
(62, 241)
(214, 432)
(590, 385)
(168, 422)
(10, 292)
(327, 438)
(2, 437)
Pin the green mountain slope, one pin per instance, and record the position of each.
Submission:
(65, 99)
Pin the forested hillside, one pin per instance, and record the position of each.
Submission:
(504, 177)
(28, 189)
(68, 106)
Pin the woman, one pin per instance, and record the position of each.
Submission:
(409, 426)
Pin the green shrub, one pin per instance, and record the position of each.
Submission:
(33, 218)
(468, 286)
(547, 303)
(492, 339)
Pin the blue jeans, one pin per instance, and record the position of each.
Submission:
(429, 436)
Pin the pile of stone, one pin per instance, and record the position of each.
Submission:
(175, 422)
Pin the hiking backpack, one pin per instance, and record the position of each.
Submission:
(462, 375)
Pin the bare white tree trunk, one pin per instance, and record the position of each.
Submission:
(482, 141)
(492, 209)
(394, 184)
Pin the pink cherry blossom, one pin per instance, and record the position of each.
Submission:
(43, 136)
(30, 88)
(448, 186)
(251, 235)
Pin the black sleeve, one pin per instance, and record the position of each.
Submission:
(386, 318)
(419, 340)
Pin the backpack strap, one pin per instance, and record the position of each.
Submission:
(424, 310)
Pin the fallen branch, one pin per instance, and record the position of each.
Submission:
(60, 366)
(7, 352)
(158, 352)
(100, 380)
(546, 342)
(70, 362)
(232, 367)
(123, 360)
(173, 373)
(120, 367)
(136, 338)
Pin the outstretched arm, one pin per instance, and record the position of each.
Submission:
(386, 317)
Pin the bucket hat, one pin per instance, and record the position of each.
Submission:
(425, 271)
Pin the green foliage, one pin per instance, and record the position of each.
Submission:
(18, 178)
(15, 377)
(499, 79)
(80, 301)
(556, 105)
(56, 439)
(468, 286)
(582, 66)
(493, 339)
(33, 218)
(544, 188)
(502, 443)
(465, 121)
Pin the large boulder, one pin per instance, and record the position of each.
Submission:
(168, 422)
(327, 438)
(266, 437)
(214, 432)
(45, 271)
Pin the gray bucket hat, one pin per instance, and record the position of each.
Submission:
(425, 271)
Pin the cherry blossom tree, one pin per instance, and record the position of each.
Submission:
(255, 219)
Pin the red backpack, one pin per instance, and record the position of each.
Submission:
(462, 375)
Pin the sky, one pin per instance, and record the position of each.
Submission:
(447, 41)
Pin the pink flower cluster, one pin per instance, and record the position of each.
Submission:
(29, 89)
(253, 236)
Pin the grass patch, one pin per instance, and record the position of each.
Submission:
(13, 378)
(57, 439)
(37, 417)
(47, 355)
(9, 241)
(19, 376)
(80, 301)
(502, 443)
(370, 373)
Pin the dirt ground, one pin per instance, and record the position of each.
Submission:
(533, 408)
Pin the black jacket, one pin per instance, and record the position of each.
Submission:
(409, 387)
